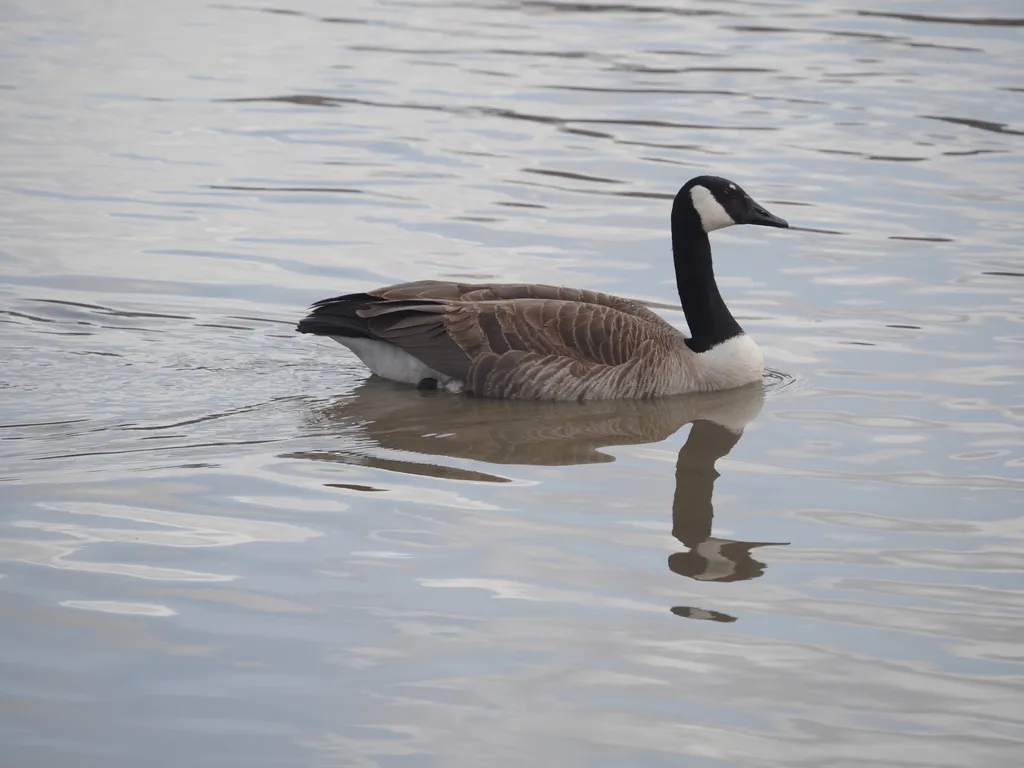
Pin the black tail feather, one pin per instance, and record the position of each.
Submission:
(337, 316)
(349, 298)
(340, 316)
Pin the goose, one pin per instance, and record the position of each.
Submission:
(544, 342)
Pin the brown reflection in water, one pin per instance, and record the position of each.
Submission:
(708, 558)
(379, 414)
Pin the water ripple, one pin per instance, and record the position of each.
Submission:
(218, 537)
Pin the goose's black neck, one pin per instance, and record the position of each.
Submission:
(709, 318)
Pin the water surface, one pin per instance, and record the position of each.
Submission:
(223, 544)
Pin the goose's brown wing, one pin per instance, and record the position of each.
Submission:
(503, 340)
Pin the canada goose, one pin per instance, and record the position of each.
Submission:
(542, 342)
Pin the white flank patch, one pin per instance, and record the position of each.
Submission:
(390, 362)
(712, 215)
(733, 363)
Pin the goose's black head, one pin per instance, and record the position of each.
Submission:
(713, 203)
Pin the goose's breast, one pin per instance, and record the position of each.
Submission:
(733, 363)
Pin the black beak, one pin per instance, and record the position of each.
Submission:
(757, 214)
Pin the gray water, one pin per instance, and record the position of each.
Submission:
(223, 544)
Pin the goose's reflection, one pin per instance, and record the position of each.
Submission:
(558, 434)
(708, 558)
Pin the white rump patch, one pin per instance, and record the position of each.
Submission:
(733, 363)
(391, 362)
(712, 215)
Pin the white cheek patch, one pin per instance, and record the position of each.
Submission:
(712, 215)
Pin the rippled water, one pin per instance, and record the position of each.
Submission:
(221, 544)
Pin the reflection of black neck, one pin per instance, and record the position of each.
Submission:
(710, 321)
(692, 510)
(708, 558)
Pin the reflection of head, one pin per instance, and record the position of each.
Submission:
(718, 560)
